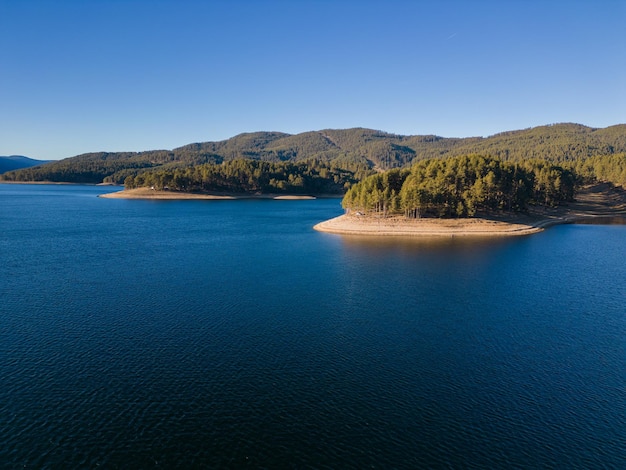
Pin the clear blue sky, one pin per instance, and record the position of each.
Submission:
(82, 76)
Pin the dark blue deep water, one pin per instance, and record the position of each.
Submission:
(229, 334)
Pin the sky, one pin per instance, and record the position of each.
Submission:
(132, 75)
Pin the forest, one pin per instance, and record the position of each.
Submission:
(461, 187)
(249, 176)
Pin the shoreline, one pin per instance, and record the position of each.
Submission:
(599, 201)
(147, 193)
(56, 182)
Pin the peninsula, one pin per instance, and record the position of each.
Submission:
(597, 202)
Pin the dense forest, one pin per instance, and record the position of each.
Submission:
(610, 168)
(249, 176)
(360, 151)
(461, 187)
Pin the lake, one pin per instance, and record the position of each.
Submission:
(229, 334)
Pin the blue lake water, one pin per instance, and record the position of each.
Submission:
(229, 334)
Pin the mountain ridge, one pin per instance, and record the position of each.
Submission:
(16, 162)
(346, 148)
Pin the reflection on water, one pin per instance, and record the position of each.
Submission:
(448, 244)
(425, 243)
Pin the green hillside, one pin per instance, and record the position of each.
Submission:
(359, 150)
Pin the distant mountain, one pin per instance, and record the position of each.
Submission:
(16, 162)
(352, 149)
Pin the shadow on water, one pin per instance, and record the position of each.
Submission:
(603, 220)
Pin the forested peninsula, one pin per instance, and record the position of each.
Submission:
(478, 195)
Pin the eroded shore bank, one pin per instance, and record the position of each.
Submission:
(147, 193)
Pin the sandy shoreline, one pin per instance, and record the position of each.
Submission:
(594, 202)
(398, 226)
(147, 193)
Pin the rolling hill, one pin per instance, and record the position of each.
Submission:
(343, 148)
(16, 162)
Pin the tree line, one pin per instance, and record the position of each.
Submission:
(461, 187)
(249, 176)
(610, 168)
